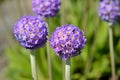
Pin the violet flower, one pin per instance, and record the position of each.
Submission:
(67, 41)
(31, 32)
(109, 10)
(46, 8)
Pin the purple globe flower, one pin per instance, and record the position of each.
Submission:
(46, 8)
(67, 41)
(31, 32)
(109, 10)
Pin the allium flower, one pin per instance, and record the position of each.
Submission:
(31, 32)
(67, 41)
(46, 8)
(109, 10)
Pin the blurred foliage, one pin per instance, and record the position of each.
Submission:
(1, 1)
(94, 61)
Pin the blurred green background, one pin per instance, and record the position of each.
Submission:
(92, 64)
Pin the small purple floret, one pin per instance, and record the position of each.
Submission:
(31, 32)
(109, 10)
(46, 8)
(68, 41)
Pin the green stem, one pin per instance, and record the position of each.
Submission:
(49, 57)
(49, 61)
(63, 14)
(19, 7)
(33, 65)
(62, 22)
(111, 52)
(67, 70)
(85, 18)
(92, 51)
(23, 5)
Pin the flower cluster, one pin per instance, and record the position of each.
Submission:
(46, 8)
(67, 41)
(109, 10)
(31, 32)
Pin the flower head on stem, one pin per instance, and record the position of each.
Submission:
(67, 41)
(46, 8)
(31, 32)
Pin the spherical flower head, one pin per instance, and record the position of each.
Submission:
(67, 41)
(46, 8)
(109, 10)
(31, 32)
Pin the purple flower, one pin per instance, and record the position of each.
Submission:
(31, 32)
(67, 41)
(109, 10)
(46, 8)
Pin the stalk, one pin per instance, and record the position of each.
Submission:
(19, 7)
(33, 65)
(111, 51)
(92, 51)
(49, 56)
(63, 15)
(63, 21)
(67, 70)
(49, 61)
